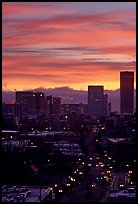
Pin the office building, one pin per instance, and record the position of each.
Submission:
(97, 102)
(11, 108)
(72, 108)
(49, 102)
(105, 105)
(26, 100)
(122, 150)
(126, 92)
(56, 105)
(39, 103)
(109, 109)
(32, 104)
(11, 111)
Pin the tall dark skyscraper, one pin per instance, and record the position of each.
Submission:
(26, 100)
(39, 103)
(105, 105)
(126, 92)
(97, 102)
(32, 104)
(49, 102)
(56, 105)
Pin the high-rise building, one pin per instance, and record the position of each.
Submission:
(11, 110)
(56, 105)
(39, 103)
(49, 102)
(32, 104)
(96, 102)
(26, 100)
(105, 105)
(109, 109)
(126, 92)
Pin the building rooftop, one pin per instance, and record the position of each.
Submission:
(12, 193)
(115, 140)
(124, 193)
(9, 131)
(44, 133)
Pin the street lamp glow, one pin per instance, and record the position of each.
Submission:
(130, 172)
(80, 172)
(89, 164)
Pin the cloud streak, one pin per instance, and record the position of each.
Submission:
(67, 44)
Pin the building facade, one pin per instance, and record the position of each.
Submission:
(105, 105)
(39, 104)
(49, 103)
(126, 92)
(32, 104)
(11, 108)
(11, 111)
(72, 108)
(56, 105)
(97, 102)
(26, 100)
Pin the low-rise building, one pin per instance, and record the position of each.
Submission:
(24, 193)
(121, 196)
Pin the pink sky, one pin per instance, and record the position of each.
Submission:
(55, 44)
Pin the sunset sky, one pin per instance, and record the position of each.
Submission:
(57, 44)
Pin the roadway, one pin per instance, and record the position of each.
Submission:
(84, 191)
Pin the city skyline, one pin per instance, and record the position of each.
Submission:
(69, 95)
(69, 102)
(54, 44)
